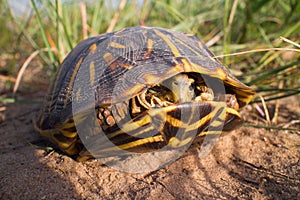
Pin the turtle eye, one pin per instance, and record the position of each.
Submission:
(175, 83)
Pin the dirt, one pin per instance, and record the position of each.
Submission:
(247, 163)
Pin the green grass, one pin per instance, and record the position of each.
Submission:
(241, 26)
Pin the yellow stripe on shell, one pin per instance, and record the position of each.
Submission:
(125, 66)
(244, 93)
(116, 45)
(120, 31)
(149, 44)
(112, 62)
(78, 94)
(200, 45)
(218, 73)
(189, 34)
(177, 69)
(70, 86)
(54, 86)
(93, 48)
(245, 98)
(169, 43)
(92, 73)
(221, 74)
(149, 78)
(109, 59)
(126, 94)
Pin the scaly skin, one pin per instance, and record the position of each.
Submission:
(181, 87)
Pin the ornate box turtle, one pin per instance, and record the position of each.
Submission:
(139, 89)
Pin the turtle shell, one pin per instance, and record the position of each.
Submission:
(114, 67)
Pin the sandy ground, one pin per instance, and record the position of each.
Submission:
(248, 163)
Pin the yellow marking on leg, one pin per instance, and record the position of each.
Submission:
(149, 48)
(221, 74)
(151, 79)
(200, 45)
(78, 94)
(202, 70)
(120, 31)
(69, 134)
(113, 63)
(189, 34)
(135, 89)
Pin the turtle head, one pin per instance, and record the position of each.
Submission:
(182, 88)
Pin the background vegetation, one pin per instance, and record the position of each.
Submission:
(262, 35)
